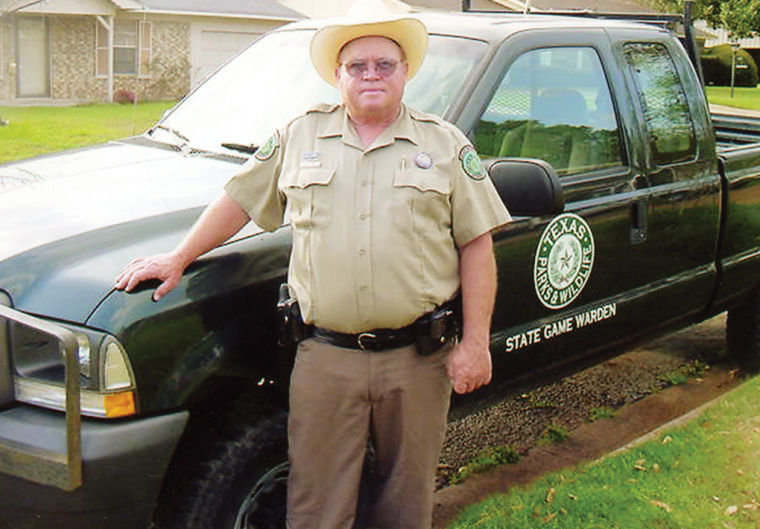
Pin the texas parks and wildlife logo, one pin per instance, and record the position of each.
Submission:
(564, 258)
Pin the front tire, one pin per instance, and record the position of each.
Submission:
(240, 483)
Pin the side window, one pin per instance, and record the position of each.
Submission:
(666, 112)
(553, 104)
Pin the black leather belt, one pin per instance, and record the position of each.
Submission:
(429, 332)
(376, 340)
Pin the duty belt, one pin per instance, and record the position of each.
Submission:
(376, 340)
(429, 332)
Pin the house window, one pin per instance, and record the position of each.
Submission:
(131, 48)
(125, 47)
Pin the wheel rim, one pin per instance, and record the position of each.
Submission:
(264, 507)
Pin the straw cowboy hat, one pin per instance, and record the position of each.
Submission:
(369, 18)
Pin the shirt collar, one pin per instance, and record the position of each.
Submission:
(338, 125)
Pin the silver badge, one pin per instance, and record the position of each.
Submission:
(423, 160)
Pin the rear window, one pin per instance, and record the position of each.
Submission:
(666, 111)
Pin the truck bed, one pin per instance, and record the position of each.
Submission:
(734, 131)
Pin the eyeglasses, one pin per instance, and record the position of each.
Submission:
(383, 67)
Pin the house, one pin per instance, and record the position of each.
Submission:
(88, 50)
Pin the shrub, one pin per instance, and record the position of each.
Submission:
(716, 66)
(123, 97)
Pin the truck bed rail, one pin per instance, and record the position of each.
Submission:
(735, 131)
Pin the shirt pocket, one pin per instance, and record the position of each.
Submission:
(309, 196)
(421, 198)
(423, 180)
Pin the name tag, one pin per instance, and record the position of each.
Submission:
(311, 159)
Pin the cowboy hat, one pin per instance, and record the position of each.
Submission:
(368, 18)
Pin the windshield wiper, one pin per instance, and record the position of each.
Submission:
(173, 131)
(249, 149)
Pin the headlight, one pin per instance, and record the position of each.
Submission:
(106, 379)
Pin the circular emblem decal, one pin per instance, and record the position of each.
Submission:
(564, 258)
(266, 151)
(471, 163)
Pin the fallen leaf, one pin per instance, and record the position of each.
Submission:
(656, 467)
(666, 439)
(750, 507)
(549, 517)
(572, 496)
(730, 511)
(550, 495)
(661, 505)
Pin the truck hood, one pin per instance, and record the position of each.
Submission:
(73, 220)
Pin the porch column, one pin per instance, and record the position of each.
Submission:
(107, 23)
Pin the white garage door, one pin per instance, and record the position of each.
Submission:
(216, 48)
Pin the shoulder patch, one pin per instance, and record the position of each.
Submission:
(266, 151)
(471, 163)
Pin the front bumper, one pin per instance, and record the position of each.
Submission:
(123, 465)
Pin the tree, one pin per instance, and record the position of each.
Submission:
(740, 18)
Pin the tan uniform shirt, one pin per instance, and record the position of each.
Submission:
(375, 230)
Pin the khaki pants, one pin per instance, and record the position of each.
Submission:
(339, 398)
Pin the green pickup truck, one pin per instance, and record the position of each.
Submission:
(636, 213)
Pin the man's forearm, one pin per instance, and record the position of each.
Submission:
(469, 365)
(478, 278)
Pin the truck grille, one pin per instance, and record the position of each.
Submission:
(6, 375)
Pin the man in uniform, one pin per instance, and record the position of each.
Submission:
(392, 215)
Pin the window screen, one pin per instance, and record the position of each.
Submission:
(666, 112)
(553, 104)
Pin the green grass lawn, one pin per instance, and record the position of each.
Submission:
(704, 475)
(38, 130)
(743, 97)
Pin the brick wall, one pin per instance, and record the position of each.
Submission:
(72, 58)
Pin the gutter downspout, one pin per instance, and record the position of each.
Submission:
(107, 23)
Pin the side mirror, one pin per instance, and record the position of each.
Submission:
(528, 187)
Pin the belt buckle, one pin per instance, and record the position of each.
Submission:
(360, 339)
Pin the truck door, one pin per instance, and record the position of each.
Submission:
(603, 272)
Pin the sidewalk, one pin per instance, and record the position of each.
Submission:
(721, 109)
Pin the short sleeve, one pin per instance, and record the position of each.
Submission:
(476, 205)
(254, 188)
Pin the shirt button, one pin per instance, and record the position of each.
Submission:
(362, 252)
(363, 288)
(363, 215)
(365, 183)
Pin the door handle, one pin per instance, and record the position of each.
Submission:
(639, 220)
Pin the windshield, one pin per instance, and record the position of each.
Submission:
(273, 81)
